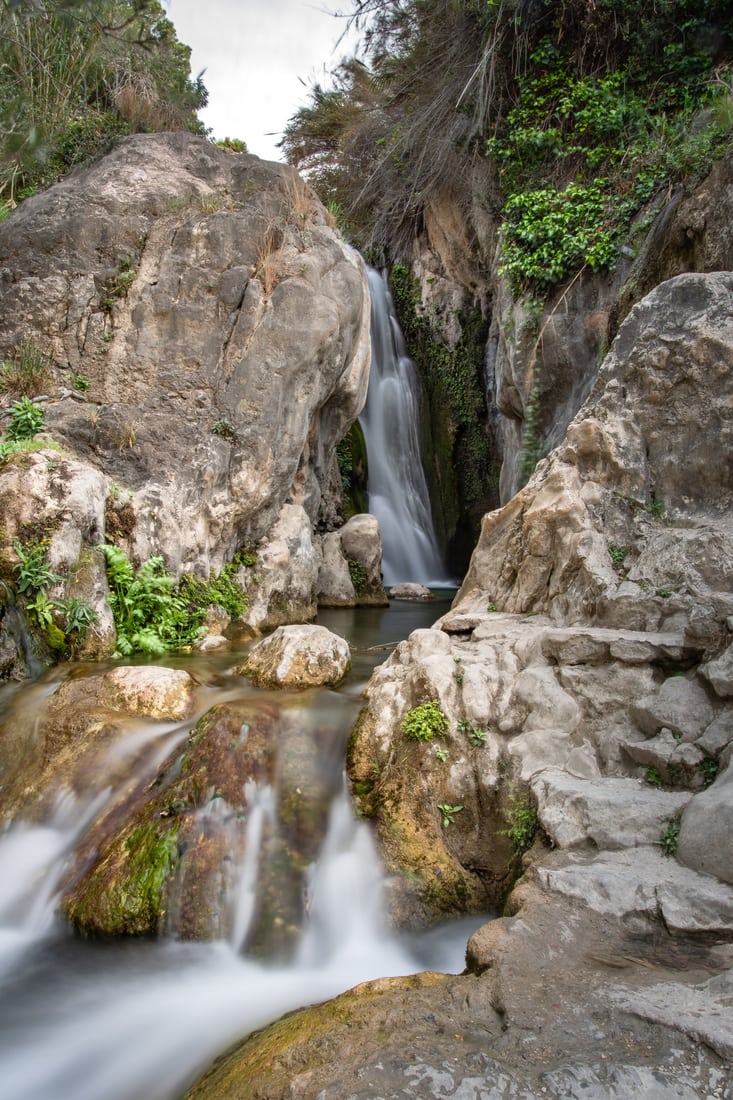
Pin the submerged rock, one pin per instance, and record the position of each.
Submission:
(298, 656)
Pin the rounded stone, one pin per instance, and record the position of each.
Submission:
(298, 656)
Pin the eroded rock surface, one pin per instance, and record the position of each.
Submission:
(219, 331)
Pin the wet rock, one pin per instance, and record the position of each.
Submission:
(298, 656)
(168, 857)
(410, 591)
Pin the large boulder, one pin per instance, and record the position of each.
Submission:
(206, 335)
(350, 573)
(298, 656)
(707, 828)
(615, 527)
(281, 585)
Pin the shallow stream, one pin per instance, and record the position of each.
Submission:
(140, 1020)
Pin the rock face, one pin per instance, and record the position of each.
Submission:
(614, 527)
(220, 332)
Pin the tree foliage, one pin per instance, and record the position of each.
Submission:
(75, 74)
(535, 92)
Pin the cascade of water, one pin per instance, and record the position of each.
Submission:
(261, 802)
(398, 491)
(88, 1020)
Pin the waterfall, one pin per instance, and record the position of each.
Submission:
(397, 488)
(90, 1019)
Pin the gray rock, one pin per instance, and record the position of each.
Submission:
(640, 883)
(281, 587)
(717, 736)
(702, 1011)
(681, 705)
(335, 586)
(605, 813)
(719, 673)
(226, 342)
(409, 590)
(664, 390)
(707, 828)
(298, 656)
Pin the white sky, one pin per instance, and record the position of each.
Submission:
(254, 52)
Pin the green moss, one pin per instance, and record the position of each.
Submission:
(457, 440)
(359, 578)
(126, 895)
(351, 455)
(425, 722)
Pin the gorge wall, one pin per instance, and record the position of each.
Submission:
(542, 349)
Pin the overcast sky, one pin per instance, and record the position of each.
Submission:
(256, 53)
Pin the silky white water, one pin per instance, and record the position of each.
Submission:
(141, 1020)
(396, 486)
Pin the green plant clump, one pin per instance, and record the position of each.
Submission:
(670, 838)
(448, 813)
(616, 553)
(27, 373)
(359, 578)
(26, 420)
(425, 722)
(522, 818)
(153, 613)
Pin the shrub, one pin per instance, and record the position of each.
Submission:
(425, 722)
(548, 234)
(522, 818)
(26, 420)
(153, 613)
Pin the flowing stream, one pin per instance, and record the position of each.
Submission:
(140, 1020)
(397, 488)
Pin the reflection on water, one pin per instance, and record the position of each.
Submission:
(84, 1020)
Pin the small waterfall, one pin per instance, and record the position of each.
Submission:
(398, 491)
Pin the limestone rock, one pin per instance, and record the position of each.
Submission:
(586, 540)
(147, 689)
(228, 264)
(707, 828)
(410, 591)
(607, 813)
(48, 497)
(281, 586)
(681, 705)
(719, 673)
(638, 883)
(351, 565)
(298, 656)
(335, 586)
